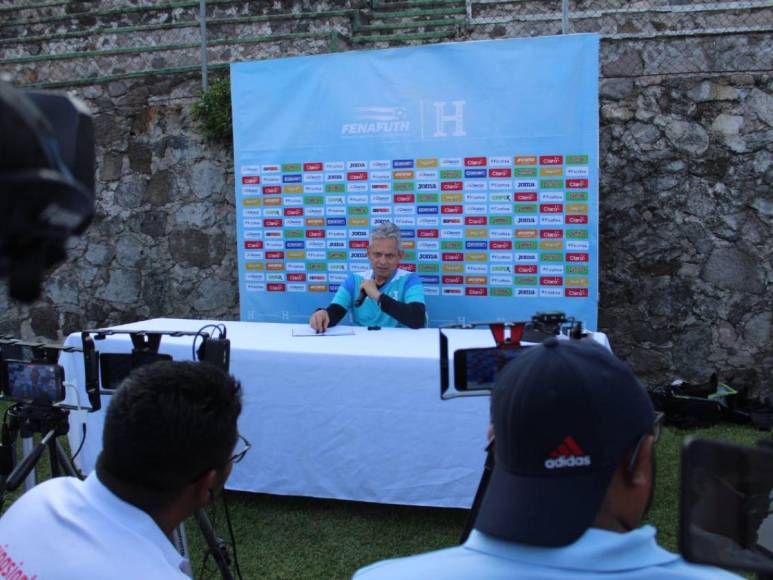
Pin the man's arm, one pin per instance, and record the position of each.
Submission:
(324, 318)
(336, 312)
(412, 314)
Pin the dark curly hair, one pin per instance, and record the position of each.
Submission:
(168, 424)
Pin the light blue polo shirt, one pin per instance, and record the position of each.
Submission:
(403, 286)
(597, 554)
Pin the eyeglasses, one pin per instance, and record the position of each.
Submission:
(244, 447)
(655, 431)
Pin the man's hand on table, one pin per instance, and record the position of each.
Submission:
(320, 320)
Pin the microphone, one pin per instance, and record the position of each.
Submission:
(360, 299)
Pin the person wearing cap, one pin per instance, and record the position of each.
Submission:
(574, 476)
(384, 296)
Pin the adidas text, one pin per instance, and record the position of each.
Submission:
(560, 462)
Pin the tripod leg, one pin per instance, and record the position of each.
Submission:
(27, 446)
(216, 547)
(22, 470)
(53, 458)
(487, 469)
(66, 463)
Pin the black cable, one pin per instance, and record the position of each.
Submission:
(83, 440)
(4, 427)
(233, 537)
(204, 559)
(200, 332)
(212, 515)
(203, 565)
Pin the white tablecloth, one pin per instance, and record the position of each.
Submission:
(355, 417)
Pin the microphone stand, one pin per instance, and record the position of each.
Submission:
(216, 545)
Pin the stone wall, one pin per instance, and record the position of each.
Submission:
(686, 206)
(686, 213)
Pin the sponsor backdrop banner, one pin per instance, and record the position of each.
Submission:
(485, 154)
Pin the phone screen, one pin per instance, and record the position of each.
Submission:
(476, 369)
(727, 507)
(35, 382)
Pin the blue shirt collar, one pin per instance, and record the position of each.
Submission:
(596, 550)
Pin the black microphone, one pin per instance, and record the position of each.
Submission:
(360, 299)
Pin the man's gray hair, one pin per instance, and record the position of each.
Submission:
(386, 230)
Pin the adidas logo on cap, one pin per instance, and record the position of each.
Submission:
(568, 454)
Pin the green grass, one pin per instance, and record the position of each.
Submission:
(290, 537)
(293, 537)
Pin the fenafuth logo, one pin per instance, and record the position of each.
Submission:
(568, 454)
(378, 120)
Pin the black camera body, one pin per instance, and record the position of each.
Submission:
(725, 505)
(47, 162)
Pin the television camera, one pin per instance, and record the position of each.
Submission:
(46, 183)
(47, 168)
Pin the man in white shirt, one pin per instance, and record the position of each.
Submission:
(168, 445)
(574, 476)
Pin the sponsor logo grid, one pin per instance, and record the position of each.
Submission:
(471, 226)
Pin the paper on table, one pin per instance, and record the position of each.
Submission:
(334, 331)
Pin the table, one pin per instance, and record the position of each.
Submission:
(356, 417)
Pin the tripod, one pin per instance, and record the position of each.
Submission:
(26, 420)
(488, 467)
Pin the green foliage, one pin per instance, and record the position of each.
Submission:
(212, 113)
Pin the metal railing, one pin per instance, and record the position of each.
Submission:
(649, 36)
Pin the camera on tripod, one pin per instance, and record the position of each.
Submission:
(32, 379)
(473, 369)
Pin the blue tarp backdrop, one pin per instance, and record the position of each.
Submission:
(485, 154)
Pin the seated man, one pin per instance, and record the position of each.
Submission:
(383, 296)
(574, 475)
(168, 445)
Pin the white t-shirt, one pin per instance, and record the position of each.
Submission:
(65, 528)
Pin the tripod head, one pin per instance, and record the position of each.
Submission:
(25, 420)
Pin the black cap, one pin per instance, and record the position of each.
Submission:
(565, 413)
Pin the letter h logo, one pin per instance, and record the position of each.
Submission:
(456, 117)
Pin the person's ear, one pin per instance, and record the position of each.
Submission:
(205, 487)
(641, 474)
